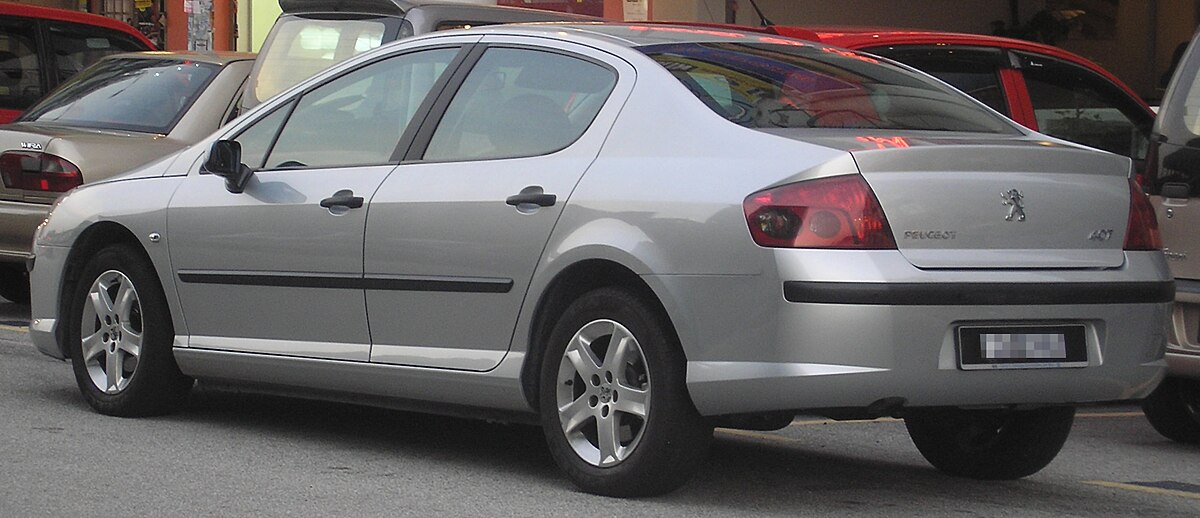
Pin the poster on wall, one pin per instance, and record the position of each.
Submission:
(636, 10)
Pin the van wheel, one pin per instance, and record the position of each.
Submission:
(1174, 409)
(615, 409)
(990, 444)
(119, 336)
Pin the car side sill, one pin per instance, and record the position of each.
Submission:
(498, 389)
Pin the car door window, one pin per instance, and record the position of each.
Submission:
(1075, 104)
(358, 118)
(256, 140)
(76, 46)
(20, 68)
(518, 103)
(975, 71)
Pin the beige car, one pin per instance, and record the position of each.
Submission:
(123, 112)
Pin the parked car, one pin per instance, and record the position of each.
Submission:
(41, 47)
(1044, 88)
(1173, 181)
(312, 35)
(630, 233)
(123, 112)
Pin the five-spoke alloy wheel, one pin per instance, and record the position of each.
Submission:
(615, 409)
(119, 336)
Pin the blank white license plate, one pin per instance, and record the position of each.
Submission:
(1021, 347)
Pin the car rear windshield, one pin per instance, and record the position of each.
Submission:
(299, 47)
(129, 94)
(786, 85)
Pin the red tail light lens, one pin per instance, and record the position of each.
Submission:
(1142, 231)
(43, 172)
(838, 212)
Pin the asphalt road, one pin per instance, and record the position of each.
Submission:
(234, 454)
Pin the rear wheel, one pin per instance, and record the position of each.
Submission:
(14, 283)
(1174, 409)
(990, 444)
(120, 334)
(615, 410)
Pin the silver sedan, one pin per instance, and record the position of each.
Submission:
(632, 234)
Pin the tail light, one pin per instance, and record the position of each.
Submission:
(43, 172)
(838, 212)
(1142, 231)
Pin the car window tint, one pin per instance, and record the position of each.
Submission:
(132, 94)
(1072, 103)
(77, 46)
(256, 140)
(358, 118)
(301, 47)
(520, 102)
(20, 75)
(974, 71)
(775, 85)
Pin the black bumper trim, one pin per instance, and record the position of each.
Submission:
(978, 293)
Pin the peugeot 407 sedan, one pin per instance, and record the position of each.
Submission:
(632, 233)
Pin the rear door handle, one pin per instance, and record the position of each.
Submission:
(532, 195)
(343, 198)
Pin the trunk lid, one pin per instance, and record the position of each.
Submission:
(956, 201)
(98, 153)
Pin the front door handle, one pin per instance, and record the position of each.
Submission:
(532, 195)
(343, 198)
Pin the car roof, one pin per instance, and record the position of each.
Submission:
(65, 15)
(216, 58)
(642, 34)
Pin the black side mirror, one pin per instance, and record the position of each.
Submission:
(225, 160)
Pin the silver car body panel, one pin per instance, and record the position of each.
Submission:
(672, 215)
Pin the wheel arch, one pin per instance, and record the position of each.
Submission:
(91, 240)
(567, 285)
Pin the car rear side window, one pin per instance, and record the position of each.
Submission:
(20, 68)
(519, 103)
(776, 85)
(1075, 104)
(76, 46)
(975, 71)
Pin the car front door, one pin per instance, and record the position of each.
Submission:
(455, 233)
(277, 269)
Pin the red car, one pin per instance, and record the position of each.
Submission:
(42, 47)
(1044, 88)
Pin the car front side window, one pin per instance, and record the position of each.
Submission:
(520, 102)
(358, 118)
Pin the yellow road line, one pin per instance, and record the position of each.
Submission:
(1109, 414)
(817, 422)
(19, 329)
(1144, 489)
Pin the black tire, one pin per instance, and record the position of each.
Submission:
(1174, 409)
(14, 283)
(990, 444)
(152, 385)
(660, 451)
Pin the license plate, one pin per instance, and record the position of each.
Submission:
(1021, 347)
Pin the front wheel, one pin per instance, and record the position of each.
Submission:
(615, 409)
(1174, 409)
(990, 444)
(120, 335)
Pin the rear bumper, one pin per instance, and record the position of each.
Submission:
(18, 222)
(841, 333)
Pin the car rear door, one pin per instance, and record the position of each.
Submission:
(454, 234)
